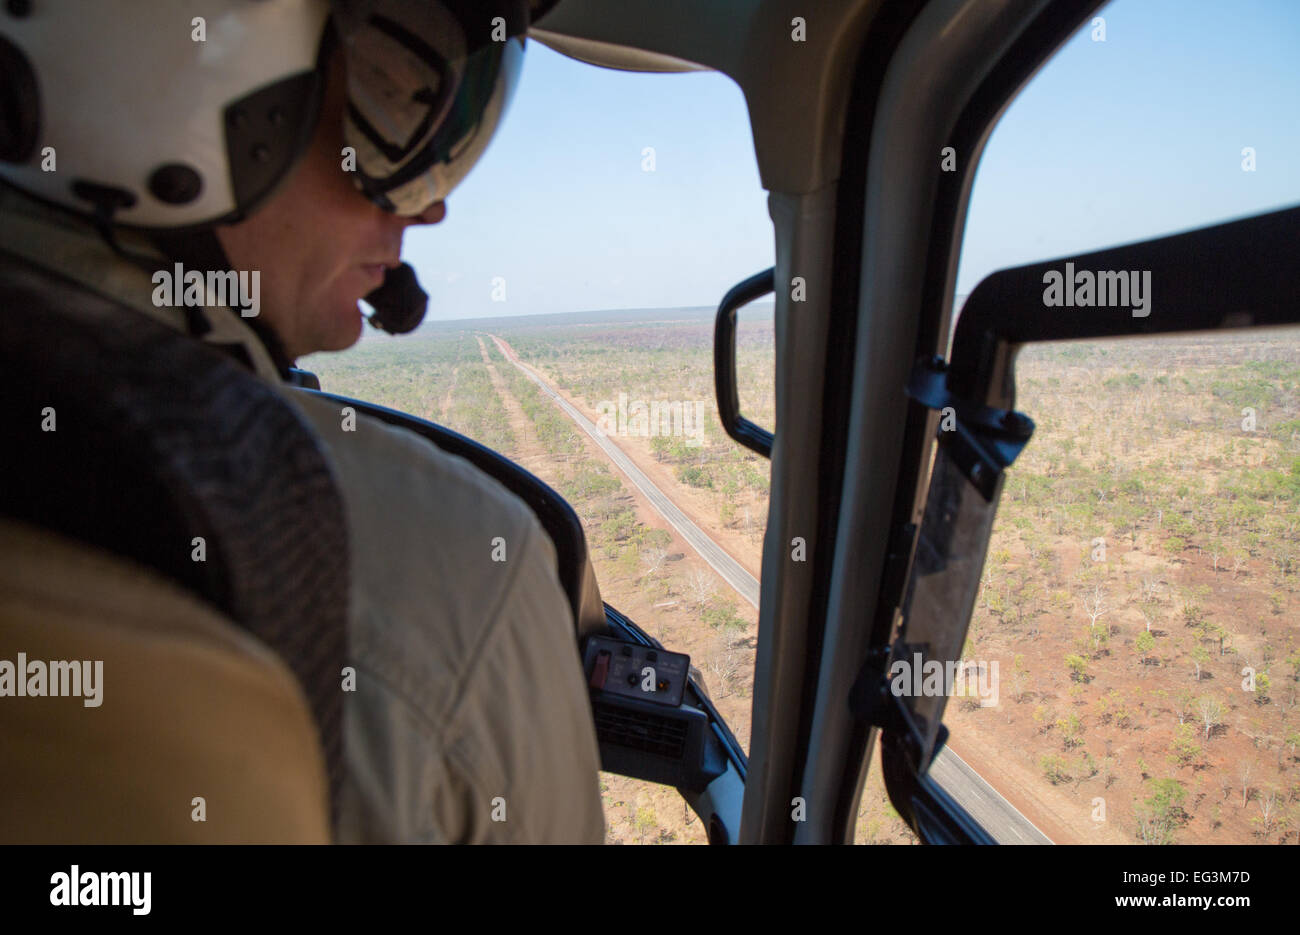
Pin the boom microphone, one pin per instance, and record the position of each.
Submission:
(399, 303)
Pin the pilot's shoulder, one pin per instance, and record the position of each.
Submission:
(444, 558)
(394, 466)
(432, 537)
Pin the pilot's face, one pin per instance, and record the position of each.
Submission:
(319, 243)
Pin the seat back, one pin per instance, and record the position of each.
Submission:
(178, 727)
(126, 435)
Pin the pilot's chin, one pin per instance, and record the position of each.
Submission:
(347, 331)
(357, 325)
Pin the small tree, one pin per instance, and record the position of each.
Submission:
(1043, 718)
(1193, 615)
(1019, 677)
(1055, 768)
(1022, 599)
(653, 559)
(1262, 685)
(1078, 667)
(1095, 606)
(1144, 644)
(657, 538)
(721, 614)
(1159, 816)
(1269, 807)
(1211, 712)
(1184, 745)
(701, 585)
(1071, 727)
(722, 669)
(1200, 657)
(1100, 634)
(1217, 632)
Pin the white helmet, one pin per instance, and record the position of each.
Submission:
(170, 117)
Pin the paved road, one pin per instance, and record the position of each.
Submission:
(998, 816)
(721, 562)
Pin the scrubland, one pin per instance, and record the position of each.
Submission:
(1139, 593)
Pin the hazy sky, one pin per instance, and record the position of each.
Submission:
(1112, 141)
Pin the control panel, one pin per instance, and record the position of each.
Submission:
(649, 724)
(634, 671)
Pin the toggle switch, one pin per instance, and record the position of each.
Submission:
(600, 671)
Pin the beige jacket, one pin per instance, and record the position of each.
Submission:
(470, 720)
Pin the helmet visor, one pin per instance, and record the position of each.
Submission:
(423, 102)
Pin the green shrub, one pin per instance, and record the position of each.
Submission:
(656, 538)
(1185, 748)
(620, 526)
(1055, 768)
(720, 614)
(695, 476)
(1071, 727)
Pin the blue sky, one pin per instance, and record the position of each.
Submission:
(1112, 141)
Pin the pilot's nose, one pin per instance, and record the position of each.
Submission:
(432, 214)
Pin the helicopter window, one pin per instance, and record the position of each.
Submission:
(1141, 582)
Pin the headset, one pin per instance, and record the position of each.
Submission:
(168, 120)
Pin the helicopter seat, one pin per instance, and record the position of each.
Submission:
(167, 514)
